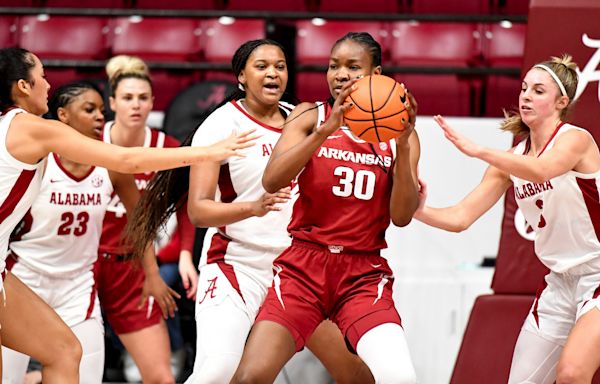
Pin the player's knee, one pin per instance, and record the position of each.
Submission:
(246, 376)
(64, 352)
(159, 376)
(568, 372)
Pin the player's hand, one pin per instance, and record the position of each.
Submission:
(336, 117)
(463, 144)
(411, 107)
(189, 275)
(422, 198)
(231, 146)
(155, 289)
(270, 201)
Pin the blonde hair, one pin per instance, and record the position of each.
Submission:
(122, 67)
(565, 70)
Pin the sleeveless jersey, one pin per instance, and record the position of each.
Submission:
(59, 236)
(116, 219)
(563, 211)
(240, 178)
(344, 193)
(19, 185)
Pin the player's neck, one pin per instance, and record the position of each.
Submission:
(127, 136)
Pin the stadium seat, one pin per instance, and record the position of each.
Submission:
(311, 86)
(8, 31)
(179, 4)
(486, 351)
(382, 6)
(167, 84)
(221, 38)
(159, 39)
(433, 45)
(314, 42)
(459, 7)
(19, 3)
(503, 47)
(64, 37)
(280, 5)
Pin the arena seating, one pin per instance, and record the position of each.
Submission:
(434, 45)
(53, 37)
(179, 4)
(502, 47)
(8, 31)
(459, 7)
(280, 5)
(89, 4)
(382, 6)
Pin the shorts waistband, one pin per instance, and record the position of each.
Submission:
(335, 249)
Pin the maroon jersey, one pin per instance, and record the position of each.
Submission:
(116, 218)
(344, 193)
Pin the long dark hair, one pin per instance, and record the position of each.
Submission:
(167, 190)
(15, 64)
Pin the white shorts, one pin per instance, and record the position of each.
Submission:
(74, 299)
(563, 300)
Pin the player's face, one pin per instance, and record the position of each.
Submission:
(37, 102)
(132, 102)
(265, 75)
(348, 60)
(540, 98)
(85, 113)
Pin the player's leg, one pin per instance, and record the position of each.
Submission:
(91, 336)
(15, 366)
(149, 348)
(385, 351)
(221, 332)
(30, 326)
(269, 346)
(534, 359)
(328, 345)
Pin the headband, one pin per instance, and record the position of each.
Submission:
(563, 91)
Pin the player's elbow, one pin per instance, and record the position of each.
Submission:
(269, 184)
(402, 221)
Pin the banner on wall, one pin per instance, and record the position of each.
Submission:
(554, 27)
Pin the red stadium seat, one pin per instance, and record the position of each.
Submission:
(8, 31)
(88, 4)
(451, 6)
(179, 4)
(512, 7)
(64, 37)
(166, 39)
(382, 6)
(279, 5)
(486, 351)
(19, 3)
(503, 47)
(222, 37)
(314, 42)
(166, 84)
(434, 45)
(311, 86)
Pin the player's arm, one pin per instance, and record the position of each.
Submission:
(568, 150)
(300, 138)
(154, 285)
(459, 217)
(36, 137)
(405, 190)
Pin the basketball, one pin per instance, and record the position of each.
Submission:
(379, 113)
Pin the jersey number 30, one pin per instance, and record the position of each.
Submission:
(361, 183)
(71, 224)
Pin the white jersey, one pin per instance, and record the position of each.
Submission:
(59, 235)
(240, 178)
(19, 185)
(565, 214)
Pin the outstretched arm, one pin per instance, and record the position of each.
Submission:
(566, 153)
(33, 138)
(459, 217)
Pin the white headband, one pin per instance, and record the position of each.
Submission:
(563, 91)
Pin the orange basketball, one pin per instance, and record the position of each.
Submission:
(379, 112)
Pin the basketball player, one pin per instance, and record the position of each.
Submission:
(333, 268)
(28, 324)
(555, 171)
(248, 225)
(141, 329)
(55, 246)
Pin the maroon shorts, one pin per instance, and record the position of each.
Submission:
(120, 286)
(311, 284)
